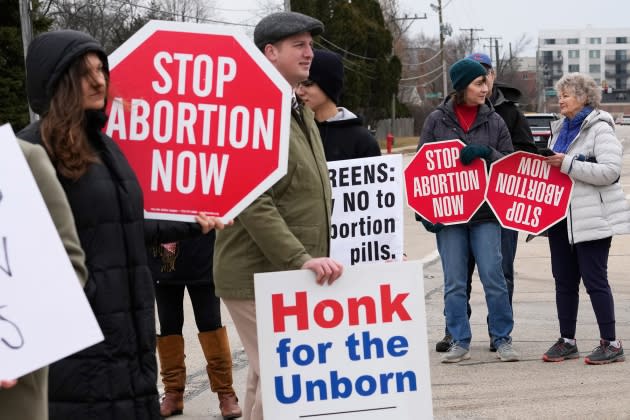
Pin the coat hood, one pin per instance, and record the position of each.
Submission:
(49, 56)
(510, 93)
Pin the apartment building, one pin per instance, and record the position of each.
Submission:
(604, 54)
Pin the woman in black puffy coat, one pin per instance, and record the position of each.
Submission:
(67, 75)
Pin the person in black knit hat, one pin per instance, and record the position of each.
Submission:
(342, 132)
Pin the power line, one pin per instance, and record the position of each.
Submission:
(423, 62)
(422, 75)
(129, 3)
(472, 40)
(346, 51)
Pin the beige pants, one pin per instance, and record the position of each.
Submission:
(243, 313)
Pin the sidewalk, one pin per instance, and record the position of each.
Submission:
(483, 387)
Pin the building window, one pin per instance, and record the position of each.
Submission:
(549, 41)
(574, 68)
(621, 40)
(594, 40)
(620, 54)
(594, 68)
(593, 53)
(574, 53)
(573, 41)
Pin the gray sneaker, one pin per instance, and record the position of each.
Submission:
(455, 354)
(506, 353)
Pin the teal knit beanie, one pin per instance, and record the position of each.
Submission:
(465, 71)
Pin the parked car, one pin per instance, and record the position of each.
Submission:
(623, 119)
(540, 124)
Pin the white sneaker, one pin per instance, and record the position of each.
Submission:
(455, 354)
(506, 353)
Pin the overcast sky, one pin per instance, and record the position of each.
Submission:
(507, 19)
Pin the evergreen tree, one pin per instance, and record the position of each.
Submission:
(357, 31)
(13, 102)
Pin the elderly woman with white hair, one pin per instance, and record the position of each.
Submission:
(586, 148)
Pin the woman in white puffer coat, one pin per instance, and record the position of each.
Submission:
(586, 148)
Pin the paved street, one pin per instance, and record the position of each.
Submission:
(483, 387)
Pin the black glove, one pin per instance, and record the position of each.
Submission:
(473, 151)
(546, 152)
(430, 227)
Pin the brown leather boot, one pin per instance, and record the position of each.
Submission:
(216, 349)
(173, 371)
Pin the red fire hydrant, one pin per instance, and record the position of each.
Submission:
(390, 142)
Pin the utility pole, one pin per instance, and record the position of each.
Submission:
(407, 18)
(496, 54)
(443, 30)
(472, 39)
(27, 36)
(402, 19)
(494, 43)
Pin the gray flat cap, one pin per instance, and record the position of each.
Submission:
(277, 26)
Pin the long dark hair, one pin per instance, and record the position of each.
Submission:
(63, 127)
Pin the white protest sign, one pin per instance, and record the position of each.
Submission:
(367, 214)
(44, 314)
(356, 349)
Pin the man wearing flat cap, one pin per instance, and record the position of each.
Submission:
(287, 227)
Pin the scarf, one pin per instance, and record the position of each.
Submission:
(570, 129)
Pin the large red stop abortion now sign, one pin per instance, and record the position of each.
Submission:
(527, 194)
(440, 187)
(201, 115)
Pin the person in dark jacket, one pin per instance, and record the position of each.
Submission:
(504, 99)
(67, 75)
(342, 132)
(187, 265)
(467, 115)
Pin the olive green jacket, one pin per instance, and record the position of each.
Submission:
(29, 398)
(284, 227)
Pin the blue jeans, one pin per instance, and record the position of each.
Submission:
(483, 240)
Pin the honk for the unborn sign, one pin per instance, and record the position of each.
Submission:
(357, 347)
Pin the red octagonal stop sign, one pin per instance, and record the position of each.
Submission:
(201, 115)
(527, 194)
(440, 187)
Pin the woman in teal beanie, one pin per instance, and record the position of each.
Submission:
(468, 115)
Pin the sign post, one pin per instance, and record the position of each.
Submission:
(527, 194)
(440, 188)
(201, 115)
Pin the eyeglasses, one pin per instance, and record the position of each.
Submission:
(306, 83)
